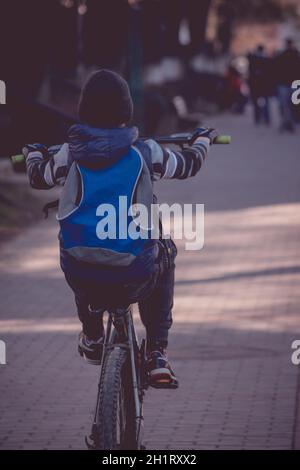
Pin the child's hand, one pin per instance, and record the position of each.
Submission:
(209, 134)
(42, 149)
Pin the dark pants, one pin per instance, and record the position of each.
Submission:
(154, 297)
(261, 109)
(284, 93)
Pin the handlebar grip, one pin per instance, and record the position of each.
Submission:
(223, 139)
(18, 163)
(18, 158)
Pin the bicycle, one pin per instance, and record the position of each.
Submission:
(118, 418)
(123, 381)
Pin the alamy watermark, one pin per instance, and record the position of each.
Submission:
(2, 92)
(295, 358)
(181, 221)
(296, 93)
(2, 353)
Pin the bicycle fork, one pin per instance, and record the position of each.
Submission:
(92, 441)
(137, 389)
(124, 326)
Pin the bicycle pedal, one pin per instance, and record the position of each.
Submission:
(171, 385)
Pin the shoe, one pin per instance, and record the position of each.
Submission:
(90, 350)
(160, 373)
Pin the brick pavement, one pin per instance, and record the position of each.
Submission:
(235, 316)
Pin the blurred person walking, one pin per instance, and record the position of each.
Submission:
(236, 97)
(287, 70)
(260, 84)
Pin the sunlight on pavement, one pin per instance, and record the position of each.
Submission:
(62, 325)
(47, 260)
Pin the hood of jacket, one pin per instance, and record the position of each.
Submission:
(99, 148)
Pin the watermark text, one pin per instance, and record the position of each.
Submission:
(2, 92)
(179, 221)
(296, 354)
(2, 353)
(296, 93)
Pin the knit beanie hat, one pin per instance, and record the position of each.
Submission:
(105, 100)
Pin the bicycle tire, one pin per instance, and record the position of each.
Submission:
(116, 423)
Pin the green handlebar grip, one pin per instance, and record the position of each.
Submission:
(18, 158)
(222, 139)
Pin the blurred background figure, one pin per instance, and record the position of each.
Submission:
(235, 90)
(261, 84)
(226, 16)
(287, 70)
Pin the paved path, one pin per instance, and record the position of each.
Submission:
(236, 314)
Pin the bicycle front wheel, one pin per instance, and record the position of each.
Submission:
(116, 421)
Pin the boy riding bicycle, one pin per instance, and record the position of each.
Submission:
(103, 160)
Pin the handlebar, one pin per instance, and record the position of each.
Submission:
(187, 138)
(180, 139)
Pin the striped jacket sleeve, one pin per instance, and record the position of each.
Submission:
(45, 174)
(182, 164)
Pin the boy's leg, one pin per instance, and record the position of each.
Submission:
(156, 310)
(92, 324)
(91, 338)
(156, 315)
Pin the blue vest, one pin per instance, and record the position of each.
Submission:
(94, 232)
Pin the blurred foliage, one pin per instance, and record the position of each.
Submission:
(258, 10)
